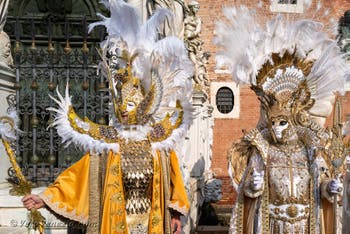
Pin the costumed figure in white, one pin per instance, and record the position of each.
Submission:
(130, 181)
(281, 169)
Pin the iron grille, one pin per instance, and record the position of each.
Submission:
(225, 100)
(49, 54)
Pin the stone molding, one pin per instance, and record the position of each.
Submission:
(286, 7)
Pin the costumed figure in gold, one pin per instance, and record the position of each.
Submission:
(281, 169)
(130, 181)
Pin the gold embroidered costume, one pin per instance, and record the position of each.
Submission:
(69, 196)
(130, 181)
(282, 170)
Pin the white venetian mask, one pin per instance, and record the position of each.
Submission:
(278, 126)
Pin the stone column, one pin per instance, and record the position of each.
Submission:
(197, 158)
(7, 79)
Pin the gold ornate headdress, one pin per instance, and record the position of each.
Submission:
(282, 87)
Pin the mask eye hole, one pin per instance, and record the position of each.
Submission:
(283, 122)
(130, 106)
(273, 122)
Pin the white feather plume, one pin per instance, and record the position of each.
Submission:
(169, 53)
(175, 69)
(178, 133)
(126, 24)
(124, 21)
(71, 136)
(240, 31)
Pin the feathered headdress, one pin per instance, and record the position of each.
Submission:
(162, 66)
(295, 62)
(155, 75)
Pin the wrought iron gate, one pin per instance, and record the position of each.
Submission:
(48, 54)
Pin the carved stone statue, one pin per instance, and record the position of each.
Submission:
(176, 26)
(5, 44)
(192, 22)
(5, 50)
(194, 45)
(212, 189)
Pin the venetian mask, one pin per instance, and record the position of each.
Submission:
(128, 96)
(126, 89)
(279, 125)
(133, 104)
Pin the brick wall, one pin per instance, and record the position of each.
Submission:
(228, 130)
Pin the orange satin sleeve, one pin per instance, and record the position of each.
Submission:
(69, 194)
(178, 197)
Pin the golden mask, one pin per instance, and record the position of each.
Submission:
(128, 95)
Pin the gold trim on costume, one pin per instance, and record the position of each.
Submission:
(159, 131)
(157, 210)
(164, 128)
(61, 209)
(94, 194)
(181, 209)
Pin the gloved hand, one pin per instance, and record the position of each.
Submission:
(335, 186)
(257, 180)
